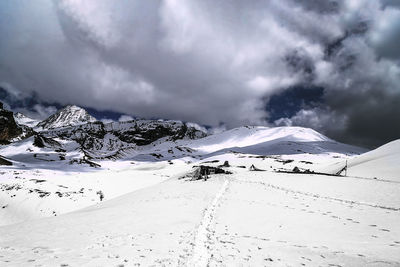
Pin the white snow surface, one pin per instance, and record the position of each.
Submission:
(151, 215)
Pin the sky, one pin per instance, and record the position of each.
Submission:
(330, 65)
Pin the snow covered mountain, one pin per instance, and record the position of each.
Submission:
(256, 140)
(70, 115)
(143, 140)
(77, 135)
(22, 119)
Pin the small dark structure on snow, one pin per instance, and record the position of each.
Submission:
(226, 164)
(203, 172)
(101, 195)
(254, 168)
(344, 169)
(297, 170)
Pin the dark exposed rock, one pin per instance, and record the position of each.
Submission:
(84, 161)
(8, 127)
(226, 164)
(92, 136)
(284, 161)
(5, 162)
(211, 161)
(41, 141)
(146, 133)
(203, 172)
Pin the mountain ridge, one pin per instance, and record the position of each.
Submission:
(72, 135)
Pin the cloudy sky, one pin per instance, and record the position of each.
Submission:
(326, 64)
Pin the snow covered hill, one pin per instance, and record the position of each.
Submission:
(257, 140)
(267, 141)
(70, 115)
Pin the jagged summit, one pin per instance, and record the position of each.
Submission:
(70, 115)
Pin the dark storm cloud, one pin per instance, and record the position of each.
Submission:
(327, 6)
(27, 103)
(391, 3)
(209, 62)
(290, 101)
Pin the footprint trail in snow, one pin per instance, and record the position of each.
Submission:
(201, 253)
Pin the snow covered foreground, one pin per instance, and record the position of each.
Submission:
(153, 216)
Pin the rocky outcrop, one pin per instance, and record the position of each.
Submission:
(118, 135)
(5, 162)
(8, 127)
(41, 141)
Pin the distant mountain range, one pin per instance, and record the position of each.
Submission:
(73, 136)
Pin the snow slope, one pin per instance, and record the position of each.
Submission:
(382, 163)
(28, 194)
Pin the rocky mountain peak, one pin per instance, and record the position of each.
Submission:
(70, 115)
